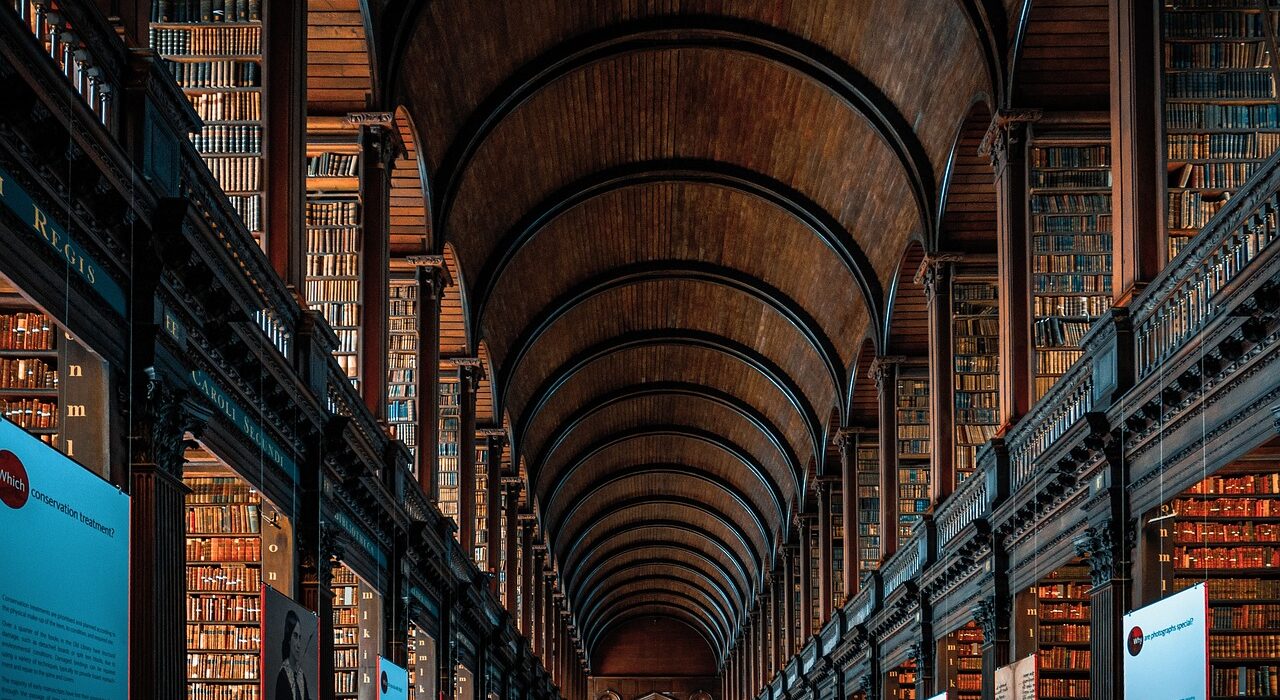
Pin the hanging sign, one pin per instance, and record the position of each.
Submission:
(290, 649)
(1166, 648)
(1017, 681)
(253, 430)
(393, 681)
(57, 238)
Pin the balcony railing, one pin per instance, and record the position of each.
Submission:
(968, 503)
(1065, 403)
(80, 59)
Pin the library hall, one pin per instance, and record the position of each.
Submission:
(639, 349)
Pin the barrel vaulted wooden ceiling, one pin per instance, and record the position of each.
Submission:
(679, 227)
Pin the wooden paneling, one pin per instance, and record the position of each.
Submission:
(969, 219)
(630, 650)
(338, 73)
(909, 315)
(409, 226)
(1064, 56)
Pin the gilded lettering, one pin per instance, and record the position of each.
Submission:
(1, 186)
(91, 274)
(40, 222)
(75, 410)
(75, 370)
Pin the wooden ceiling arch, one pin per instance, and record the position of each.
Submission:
(591, 564)
(592, 598)
(661, 579)
(640, 611)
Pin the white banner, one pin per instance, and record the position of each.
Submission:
(1166, 648)
(1017, 681)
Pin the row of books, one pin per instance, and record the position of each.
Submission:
(333, 265)
(229, 138)
(1228, 589)
(1064, 633)
(1245, 681)
(346, 616)
(913, 424)
(333, 165)
(1057, 612)
(1062, 591)
(1220, 85)
(976, 345)
(1221, 146)
(1215, 176)
(403, 343)
(1054, 332)
(346, 658)
(1062, 659)
(216, 608)
(975, 434)
(965, 381)
(1234, 54)
(1070, 203)
(1239, 485)
(1062, 305)
(214, 691)
(1258, 617)
(206, 10)
(237, 549)
(20, 373)
(1228, 508)
(1213, 25)
(402, 410)
(977, 364)
(206, 41)
(1243, 557)
(238, 518)
(26, 331)
(1055, 362)
(1244, 646)
(237, 173)
(1192, 211)
(224, 579)
(226, 73)
(400, 383)
(227, 106)
(210, 637)
(1192, 532)
(320, 290)
(1069, 283)
(977, 415)
(1071, 157)
(1071, 179)
(1079, 262)
(346, 636)
(34, 414)
(219, 489)
(1063, 688)
(331, 212)
(402, 324)
(222, 666)
(337, 313)
(1070, 223)
(985, 325)
(249, 207)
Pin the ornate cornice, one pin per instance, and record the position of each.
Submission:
(1006, 129)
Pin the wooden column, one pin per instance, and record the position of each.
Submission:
(993, 615)
(1107, 547)
(495, 440)
(157, 554)
(432, 278)
(511, 507)
(284, 112)
(936, 273)
(1137, 163)
(535, 593)
(824, 552)
(777, 621)
(379, 144)
(806, 580)
(884, 370)
(547, 635)
(526, 576)
(847, 441)
(468, 380)
(1006, 144)
(789, 600)
(753, 653)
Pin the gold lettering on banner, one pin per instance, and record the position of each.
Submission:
(40, 223)
(71, 448)
(271, 576)
(170, 325)
(75, 370)
(1, 186)
(75, 410)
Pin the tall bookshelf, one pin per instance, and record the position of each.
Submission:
(447, 466)
(960, 657)
(837, 545)
(1226, 531)
(334, 237)
(483, 503)
(815, 607)
(900, 682)
(1070, 189)
(215, 55)
(1054, 616)
(913, 447)
(1220, 112)
(868, 471)
(356, 636)
(402, 360)
(235, 543)
(976, 342)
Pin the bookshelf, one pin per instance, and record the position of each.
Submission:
(1226, 531)
(837, 545)
(900, 682)
(50, 385)
(1070, 190)
(1220, 113)
(960, 657)
(976, 342)
(868, 471)
(447, 466)
(334, 238)
(1054, 616)
(214, 52)
(913, 447)
(483, 502)
(235, 543)
(356, 636)
(815, 609)
(402, 360)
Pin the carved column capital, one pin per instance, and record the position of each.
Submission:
(881, 366)
(933, 271)
(432, 275)
(986, 614)
(160, 423)
(1100, 548)
(1008, 128)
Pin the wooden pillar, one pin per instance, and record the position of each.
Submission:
(1137, 163)
(884, 370)
(495, 440)
(789, 600)
(535, 592)
(992, 614)
(753, 652)
(158, 551)
(547, 635)
(511, 508)
(526, 577)
(1006, 144)
(379, 144)
(847, 441)
(432, 278)
(468, 380)
(777, 621)
(936, 273)
(824, 552)
(284, 112)
(806, 581)
(1106, 547)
